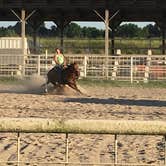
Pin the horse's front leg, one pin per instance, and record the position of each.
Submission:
(74, 86)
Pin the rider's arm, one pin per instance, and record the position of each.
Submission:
(64, 63)
(55, 59)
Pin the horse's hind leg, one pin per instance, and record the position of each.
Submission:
(46, 86)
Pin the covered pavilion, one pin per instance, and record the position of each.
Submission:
(62, 12)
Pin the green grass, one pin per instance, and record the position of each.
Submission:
(100, 83)
(96, 46)
(108, 83)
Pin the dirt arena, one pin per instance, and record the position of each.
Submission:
(28, 100)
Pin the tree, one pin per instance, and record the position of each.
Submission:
(43, 31)
(54, 31)
(72, 30)
(153, 30)
(128, 30)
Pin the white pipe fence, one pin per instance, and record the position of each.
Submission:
(123, 67)
(115, 127)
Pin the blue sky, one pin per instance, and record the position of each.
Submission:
(99, 25)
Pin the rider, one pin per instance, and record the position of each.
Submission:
(60, 63)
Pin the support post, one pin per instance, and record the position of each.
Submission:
(23, 38)
(113, 42)
(106, 39)
(23, 30)
(34, 41)
(61, 34)
(163, 41)
(23, 20)
(61, 24)
(107, 28)
(35, 24)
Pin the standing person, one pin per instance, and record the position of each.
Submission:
(60, 63)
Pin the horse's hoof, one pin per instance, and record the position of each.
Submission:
(46, 90)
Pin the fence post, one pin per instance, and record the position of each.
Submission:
(115, 68)
(18, 149)
(38, 65)
(85, 66)
(165, 150)
(131, 69)
(67, 150)
(116, 150)
(147, 69)
(118, 52)
(149, 52)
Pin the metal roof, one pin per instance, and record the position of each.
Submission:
(83, 10)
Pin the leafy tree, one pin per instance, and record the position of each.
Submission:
(153, 30)
(85, 32)
(94, 32)
(54, 31)
(128, 30)
(43, 31)
(73, 30)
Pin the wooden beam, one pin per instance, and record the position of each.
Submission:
(42, 125)
(106, 39)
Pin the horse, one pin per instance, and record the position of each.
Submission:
(67, 75)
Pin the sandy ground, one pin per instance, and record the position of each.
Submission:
(98, 103)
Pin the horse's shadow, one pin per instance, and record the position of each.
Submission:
(112, 101)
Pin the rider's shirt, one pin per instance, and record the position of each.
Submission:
(60, 59)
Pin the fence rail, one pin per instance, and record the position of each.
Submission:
(115, 127)
(124, 67)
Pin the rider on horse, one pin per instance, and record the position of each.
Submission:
(60, 63)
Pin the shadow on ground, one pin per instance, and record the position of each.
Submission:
(155, 103)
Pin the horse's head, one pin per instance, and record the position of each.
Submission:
(71, 72)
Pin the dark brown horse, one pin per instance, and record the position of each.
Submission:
(67, 75)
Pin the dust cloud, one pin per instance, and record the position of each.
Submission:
(33, 85)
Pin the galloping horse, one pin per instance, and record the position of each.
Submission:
(68, 75)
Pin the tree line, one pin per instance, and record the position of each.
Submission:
(73, 30)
